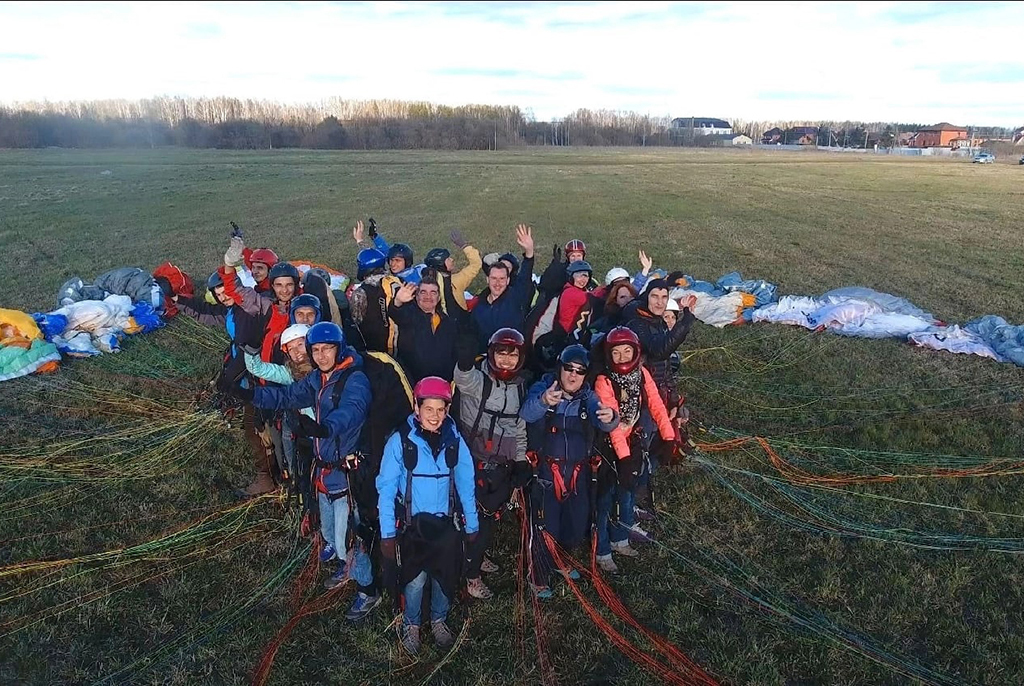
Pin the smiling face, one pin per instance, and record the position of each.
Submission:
(657, 301)
(431, 413)
(259, 271)
(622, 354)
(581, 279)
(670, 318)
(506, 359)
(497, 279)
(284, 288)
(427, 297)
(296, 350)
(396, 264)
(325, 356)
(222, 297)
(574, 256)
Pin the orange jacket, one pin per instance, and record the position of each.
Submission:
(620, 434)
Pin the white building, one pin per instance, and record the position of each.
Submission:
(702, 126)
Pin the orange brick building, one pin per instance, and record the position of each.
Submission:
(939, 136)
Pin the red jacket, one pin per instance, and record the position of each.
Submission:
(620, 434)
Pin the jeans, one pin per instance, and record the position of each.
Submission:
(334, 522)
(614, 531)
(362, 565)
(414, 601)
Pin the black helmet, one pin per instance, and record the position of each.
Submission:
(575, 353)
(282, 269)
(401, 250)
(436, 258)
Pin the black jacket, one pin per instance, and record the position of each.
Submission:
(423, 349)
(656, 339)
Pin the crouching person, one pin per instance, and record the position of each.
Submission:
(428, 471)
(339, 393)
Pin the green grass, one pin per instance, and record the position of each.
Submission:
(750, 597)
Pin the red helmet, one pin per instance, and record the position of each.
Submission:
(433, 387)
(506, 338)
(576, 245)
(264, 256)
(622, 335)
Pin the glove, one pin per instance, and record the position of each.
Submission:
(665, 451)
(165, 286)
(341, 298)
(522, 474)
(235, 231)
(467, 344)
(233, 255)
(556, 253)
(459, 240)
(389, 548)
(312, 428)
(471, 538)
(372, 228)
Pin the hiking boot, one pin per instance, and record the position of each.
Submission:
(488, 567)
(542, 592)
(643, 515)
(362, 606)
(639, 535)
(410, 636)
(622, 548)
(260, 485)
(328, 553)
(443, 636)
(606, 564)
(339, 577)
(478, 589)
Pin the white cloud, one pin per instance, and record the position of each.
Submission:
(920, 62)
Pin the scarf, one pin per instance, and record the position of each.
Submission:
(629, 394)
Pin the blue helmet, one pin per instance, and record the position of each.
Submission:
(401, 250)
(577, 267)
(369, 260)
(305, 300)
(215, 281)
(575, 353)
(325, 332)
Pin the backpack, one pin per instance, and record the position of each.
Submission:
(410, 458)
(485, 393)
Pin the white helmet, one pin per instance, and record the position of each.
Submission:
(614, 274)
(293, 332)
(672, 306)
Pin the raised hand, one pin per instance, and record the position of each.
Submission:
(552, 396)
(233, 256)
(689, 302)
(646, 263)
(459, 240)
(524, 237)
(405, 294)
(359, 232)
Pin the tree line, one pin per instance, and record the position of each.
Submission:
(338, 124)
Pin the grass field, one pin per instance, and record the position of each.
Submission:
(125, 559)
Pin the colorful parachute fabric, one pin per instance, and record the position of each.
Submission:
(22, 348)
(855, 311)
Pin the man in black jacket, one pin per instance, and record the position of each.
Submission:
(427, 336)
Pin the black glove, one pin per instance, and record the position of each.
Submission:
(459, 240)
(664, 451)
(235, 388)
(556, 253)
(522, 474)
(235, 231)
(389, 548)
(471, 538)
(312, 428)
(467, 343)
(165, 286)
(372, 230)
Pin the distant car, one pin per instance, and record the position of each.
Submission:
(984, 158)
(1021, 160)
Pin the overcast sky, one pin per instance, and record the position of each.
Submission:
(961, 62)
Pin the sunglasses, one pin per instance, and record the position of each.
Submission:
(581, 371)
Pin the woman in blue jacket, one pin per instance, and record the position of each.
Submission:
(563, 416)
(427, 468)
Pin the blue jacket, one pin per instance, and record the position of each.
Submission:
(344, 420)
(568, 441)
(510, 309)
(429, 494)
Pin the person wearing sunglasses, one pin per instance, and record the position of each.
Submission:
(563, 417)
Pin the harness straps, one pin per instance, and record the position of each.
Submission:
(494, 414)
(411, 457)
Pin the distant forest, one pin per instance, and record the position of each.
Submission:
(338, 124)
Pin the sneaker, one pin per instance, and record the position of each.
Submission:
(410, 636)
(639, 535)
(622, 548)
(443, 636)
(643, 515)
(606, 564)
(338, 578)
(542, 592)
(478, 589)
(362, 606)
(328, 553)
(488, 567)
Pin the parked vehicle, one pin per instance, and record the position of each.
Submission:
(1021, 160)
(984, 158)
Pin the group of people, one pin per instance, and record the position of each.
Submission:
(408, 418)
